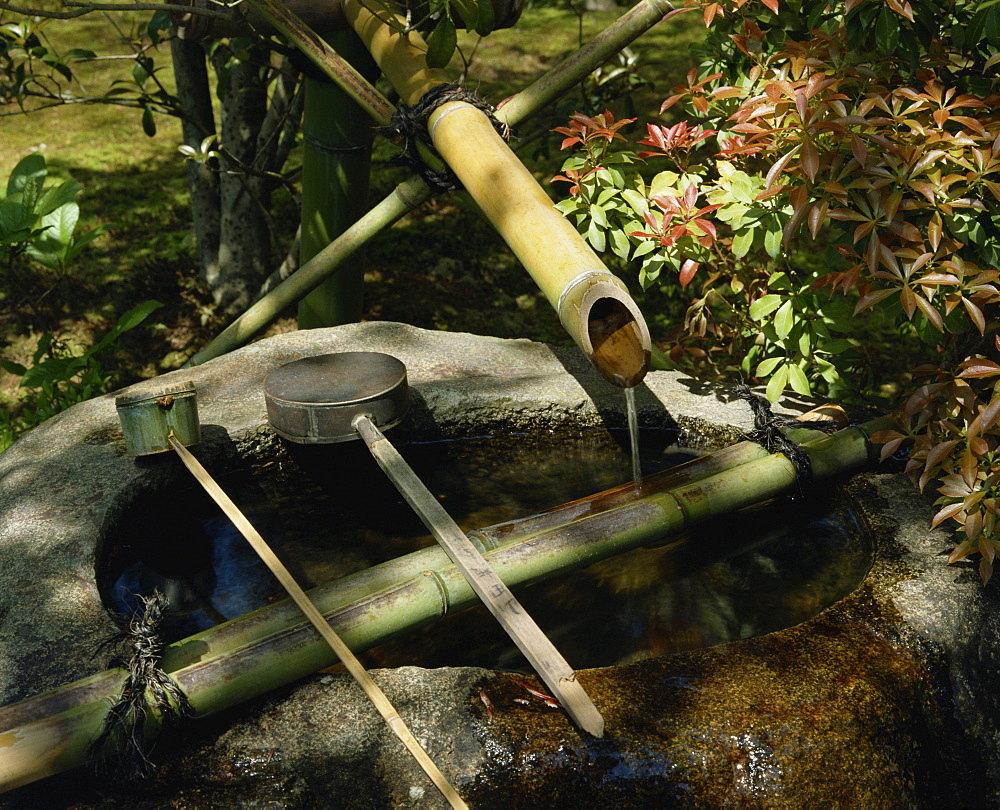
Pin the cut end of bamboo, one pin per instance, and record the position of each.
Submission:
(607, 325)
(580, 707)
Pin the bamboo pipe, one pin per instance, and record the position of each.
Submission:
(413, 192)
(337, 140)
(696, 469)
(593, 305)
(49, 733)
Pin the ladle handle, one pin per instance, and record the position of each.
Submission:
(347, 658)
(542, 654)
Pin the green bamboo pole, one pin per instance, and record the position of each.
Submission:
(50, 733)
(413, 192)
(337, 141)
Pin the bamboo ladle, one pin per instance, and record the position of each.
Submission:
(159, 420)
(339, 397)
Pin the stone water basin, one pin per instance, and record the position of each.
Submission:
(329, 511)
(883, 698)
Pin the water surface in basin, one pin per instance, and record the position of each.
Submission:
(329, 511)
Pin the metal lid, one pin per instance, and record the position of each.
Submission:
(314, 400)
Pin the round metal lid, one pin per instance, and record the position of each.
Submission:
(314, 400)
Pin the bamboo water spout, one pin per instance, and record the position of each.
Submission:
(413, 192)
(593, 305)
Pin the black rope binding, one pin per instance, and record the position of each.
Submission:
(122, 747)
(409, 127)
(767, 433)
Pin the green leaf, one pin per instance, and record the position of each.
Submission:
(57, 196)
(160, 21)
(798, 380)
(779, 281)
(772, 241)
(148, 124)
(129, 320)
(620, 244)
(441, 43)
(767, 366)
(486, 21)
(777, 383)
(468, 10)
(742, 242)
(805, 343)
(27, 179)
(15, 220)
(140, 72)
(83, 241)
(638, 203)
(597, 214)
(743, 187)
(887, 32)
(595, 235)
(836, 346)
(784, 320)
(764, 306)
(13, 368)
(665, 184)
(80, 54)
(644, 247)
(50, 246)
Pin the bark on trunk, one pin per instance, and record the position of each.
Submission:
(244, 236)
(191, 75)
(230, 198)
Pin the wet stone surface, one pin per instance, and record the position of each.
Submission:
(885, 699)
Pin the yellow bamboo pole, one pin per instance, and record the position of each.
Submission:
(593, 305)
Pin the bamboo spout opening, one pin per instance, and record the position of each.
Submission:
(608, 327)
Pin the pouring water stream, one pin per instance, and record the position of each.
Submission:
(633, 433)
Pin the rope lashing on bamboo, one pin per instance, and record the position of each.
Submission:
(122, 744)
(408, 126)
(767, 433)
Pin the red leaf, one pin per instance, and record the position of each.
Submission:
(929, 311)
(688, 269)
(975, 315)
(809, 160)
(949, 511)
(973, 525)
(961, 551)
(979, 367)
(990, 413)
(938, 452)
(859, 150)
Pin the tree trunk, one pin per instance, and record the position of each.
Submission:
(244, 236)
(191, 75)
